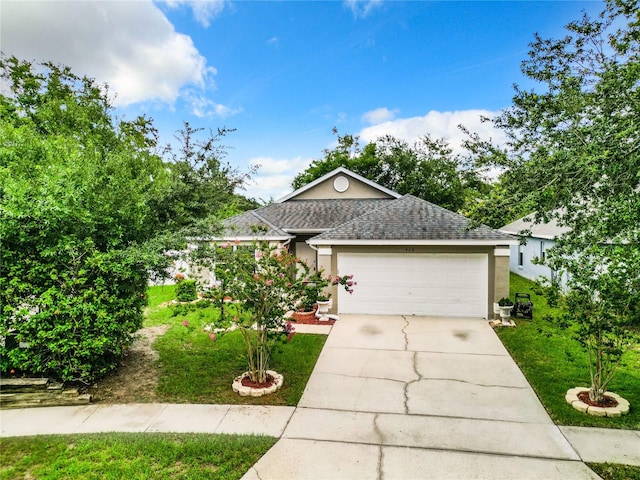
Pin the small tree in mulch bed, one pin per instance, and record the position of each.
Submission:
(267, 282)
(603, 301)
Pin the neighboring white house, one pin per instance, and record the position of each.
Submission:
(536, 241)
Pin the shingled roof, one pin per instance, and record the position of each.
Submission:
(409, 219)
(549, 230)
(312, 216)
(244, 225)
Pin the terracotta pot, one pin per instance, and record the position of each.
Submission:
(304, 316)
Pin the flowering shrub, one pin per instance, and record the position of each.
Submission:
(346, 281)
(268, 283)
(263, 280)
(314, 288)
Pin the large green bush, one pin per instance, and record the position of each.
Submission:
(76, 225)
(87, 209)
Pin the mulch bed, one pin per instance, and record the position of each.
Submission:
(309, 318)
(246, 381)
(606, 402)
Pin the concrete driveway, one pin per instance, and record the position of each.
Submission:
(413, 397)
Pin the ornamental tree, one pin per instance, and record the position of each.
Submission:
(267, 282)
(603, 300)
(574, 156)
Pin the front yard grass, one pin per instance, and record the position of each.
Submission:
(195, 369)
(553, 361)
(612, 471)
(131, 456)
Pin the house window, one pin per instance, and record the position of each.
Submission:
(520, 255)
(543, 254)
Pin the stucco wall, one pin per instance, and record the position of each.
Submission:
(325, 190)
(501, 279)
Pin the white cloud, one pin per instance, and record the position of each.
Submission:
(379, 115)
(438, 125)
(129, 45)
(362, 8)
(203, 10)
(203, 107)
(274, 177)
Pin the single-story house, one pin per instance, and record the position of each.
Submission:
(535, 240)
(408, 256)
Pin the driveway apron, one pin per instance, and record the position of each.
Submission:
(396, 397)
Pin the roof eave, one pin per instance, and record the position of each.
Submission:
(233, 238)
(532, 234)
(305, 231)
(380, 242)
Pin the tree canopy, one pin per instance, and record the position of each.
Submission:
(574, 143)
(427, 169)
(88, 206)
(574, 155)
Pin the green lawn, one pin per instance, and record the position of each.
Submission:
(195, 369)
(609, 471)
(553, 362)
(157, 312)
(131, 456)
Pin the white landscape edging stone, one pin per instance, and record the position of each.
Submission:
(572, 399)
(255, 391)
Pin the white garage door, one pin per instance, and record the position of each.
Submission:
(452, 285)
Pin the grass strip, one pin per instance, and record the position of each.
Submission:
(553, 361)
(610, 471)
(131, 456)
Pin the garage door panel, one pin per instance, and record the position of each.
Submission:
(416, 284)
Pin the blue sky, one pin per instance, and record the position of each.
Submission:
(285, 73)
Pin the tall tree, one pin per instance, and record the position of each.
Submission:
(86, 208)
(574, 155)
(427, 169)
(202, 184)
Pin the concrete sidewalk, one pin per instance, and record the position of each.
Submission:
(146, 417)
(390, 397)
(597, 445)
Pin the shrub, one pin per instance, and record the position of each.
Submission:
(81, 322)
(78, 230)
(186, 291)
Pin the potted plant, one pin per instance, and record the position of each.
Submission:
(506, 305)
(306, 307)
(324, 300)
(324, 304)
(309, 292)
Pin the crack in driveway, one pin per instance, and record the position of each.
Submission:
(414, 364)
(376, 428)
(489, 385)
